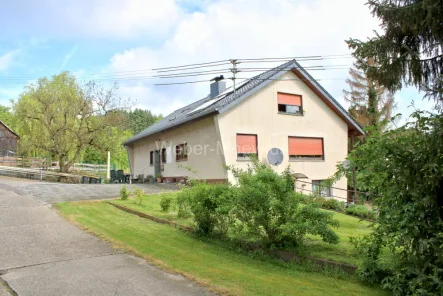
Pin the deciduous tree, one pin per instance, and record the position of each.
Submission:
(371, 103)
(62, 117)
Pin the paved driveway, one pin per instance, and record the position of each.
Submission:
(43, 254)
(57, 192)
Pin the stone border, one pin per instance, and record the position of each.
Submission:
(150, 217)
(283, 255)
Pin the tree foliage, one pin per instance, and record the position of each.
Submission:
(61, 117)
(403, 170)
(119, 157)
(410, 51)
(7, 116)
(139, 119)
(371, 103)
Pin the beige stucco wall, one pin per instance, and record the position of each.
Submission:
(201, 137)
(258, 115)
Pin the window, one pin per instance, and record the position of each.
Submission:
(246, 146)
(320, 187)
(181, 152)
(305, 148)
(151, 158)
(163, 155)
(289, 104)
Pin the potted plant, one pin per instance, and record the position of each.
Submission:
(159, 177)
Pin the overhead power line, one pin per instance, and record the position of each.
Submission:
(191, 70)
(199, 64)
(5, 81)
(253, 78)
(256, 59)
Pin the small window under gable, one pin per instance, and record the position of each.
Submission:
(289, 103)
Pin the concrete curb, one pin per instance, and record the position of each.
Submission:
(153, 218)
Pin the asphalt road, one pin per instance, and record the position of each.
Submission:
(43, 254)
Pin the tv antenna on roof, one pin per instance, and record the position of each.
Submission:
(234, 71)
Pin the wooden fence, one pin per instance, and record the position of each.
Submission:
(24, 162)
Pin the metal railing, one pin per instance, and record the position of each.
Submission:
(38, 174)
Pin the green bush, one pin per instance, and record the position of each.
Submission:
(165, 204)
(139, 195)
(124, 193)
(333, 204)
(360, 211)
(182, 202)
(270, 211)
(210, 204)
(306, 198)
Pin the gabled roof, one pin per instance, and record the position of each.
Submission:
(9, 129)
(229, 99)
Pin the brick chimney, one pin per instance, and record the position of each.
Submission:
(218, 86)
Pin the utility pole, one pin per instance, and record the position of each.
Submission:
(234, 71)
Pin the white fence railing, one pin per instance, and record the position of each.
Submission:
(39, 174)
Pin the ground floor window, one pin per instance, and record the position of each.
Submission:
(321, 188)
(151, 158)
(181, 152)
(163, 155)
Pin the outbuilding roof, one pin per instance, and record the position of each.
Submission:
(9, 129)
(230, 99)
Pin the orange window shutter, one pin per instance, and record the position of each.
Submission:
(288, 99)
(246, 144)
(306, 146)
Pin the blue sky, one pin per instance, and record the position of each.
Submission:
(103, 39)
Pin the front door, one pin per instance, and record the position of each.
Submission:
(156, 163)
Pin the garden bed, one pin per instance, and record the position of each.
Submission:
(343, 252)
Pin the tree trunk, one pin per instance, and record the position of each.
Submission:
(64, 166)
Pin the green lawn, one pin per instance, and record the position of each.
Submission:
(342, 252)
(151, 205)
(209, 263)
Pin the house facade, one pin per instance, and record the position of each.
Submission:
(282, 108)
(8, 141)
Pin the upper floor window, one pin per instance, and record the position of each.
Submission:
(305, 148)
(289, 103)
(181, 152)
(246, 146)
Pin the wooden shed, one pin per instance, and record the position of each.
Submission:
(8, 140)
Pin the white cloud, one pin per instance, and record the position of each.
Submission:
(124, 18)
(249, 29)
(7, 59)
(111, 19)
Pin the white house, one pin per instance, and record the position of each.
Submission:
(281, 108)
